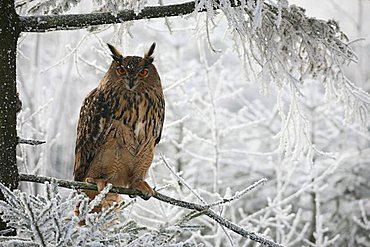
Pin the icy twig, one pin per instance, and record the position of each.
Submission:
(178, 83)
(238, 194)
(180, 179)
(363, 222)
(19, 241)
(189, 205)
(6, 231)
(176, 122)
(40, 109)
(72, 52)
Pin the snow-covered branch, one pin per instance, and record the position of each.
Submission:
(77, 21)
(189, 205)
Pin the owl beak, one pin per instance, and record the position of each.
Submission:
(131, 82)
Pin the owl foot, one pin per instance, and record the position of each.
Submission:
(108, 200)
(144, 188)
(100, 183)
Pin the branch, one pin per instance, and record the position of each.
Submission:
(189, 205)
(44, 23)
(29, 142)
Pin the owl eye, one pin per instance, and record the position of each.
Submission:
(121, 71)
(143, 72)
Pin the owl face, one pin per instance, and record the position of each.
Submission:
(133, 70)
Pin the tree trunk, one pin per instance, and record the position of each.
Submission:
(9, 102)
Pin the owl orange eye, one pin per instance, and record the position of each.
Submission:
(143, 72)
(121, 71)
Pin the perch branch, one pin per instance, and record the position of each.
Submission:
(189, 205)
(44, 23)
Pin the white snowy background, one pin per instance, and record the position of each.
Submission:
(225, 128)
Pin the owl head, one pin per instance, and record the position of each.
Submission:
(133, 71)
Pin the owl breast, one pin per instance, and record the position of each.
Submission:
(137, 122)
(130, 143)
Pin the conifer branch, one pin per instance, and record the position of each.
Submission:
(189, 205)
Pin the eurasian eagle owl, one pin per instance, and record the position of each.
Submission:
(120, 123)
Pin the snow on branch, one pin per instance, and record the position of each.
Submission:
(205, 209)
(53, 22)
(46, 23)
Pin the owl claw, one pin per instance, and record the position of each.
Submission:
(145, 197)
(144, 188)
(100, 183)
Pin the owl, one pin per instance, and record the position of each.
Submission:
(120, 124)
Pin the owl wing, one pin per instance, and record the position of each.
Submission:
(93, 127)
(161, 112)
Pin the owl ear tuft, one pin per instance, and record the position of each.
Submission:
(116, 54)
(148, 56)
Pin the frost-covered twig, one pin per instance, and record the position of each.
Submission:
(239, 194)
(17, 241)
(363, 222)
(6, 231)
(181, 180)
(193, 206)
(72, 51)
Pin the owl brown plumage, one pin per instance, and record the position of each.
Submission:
(120, 124)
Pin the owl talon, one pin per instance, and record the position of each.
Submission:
(144, 188)
(145, 197)
(100, 183)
